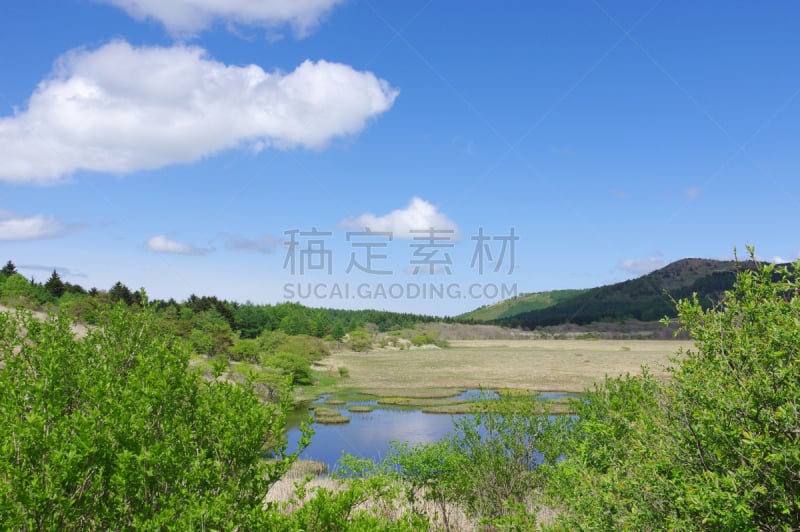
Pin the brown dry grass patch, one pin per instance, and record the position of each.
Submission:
(543, 365)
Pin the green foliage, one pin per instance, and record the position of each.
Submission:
(293, 365)
(16, 286)
(251, 320)
(9, 269)
(306, 347)
(113, 431)
(359, 340)
(714, 448)
(738, 428)
(55, 286)
(338, 332)
(120, 292)
(488, 465)
(421, 339)
(358, 505)
(612, 465)
(245, 350)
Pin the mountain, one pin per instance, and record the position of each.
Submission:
(646, 298)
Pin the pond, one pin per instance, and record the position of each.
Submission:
(368, 434)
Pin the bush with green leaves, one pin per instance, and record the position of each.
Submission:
(114, 431)
(421, 339)
(717, 447)
(292, 365)
(308, 347)
(359, 340)
(245, 349)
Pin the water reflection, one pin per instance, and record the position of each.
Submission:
(369, 433)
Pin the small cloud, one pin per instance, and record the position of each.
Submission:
(62, 271)
(161, 244)
(691, 193)
(780, 260)
(37, 227)
(643, 266)
(407, 223)
(263, 244)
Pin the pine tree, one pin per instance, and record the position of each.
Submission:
(54, 285)
(9, 269)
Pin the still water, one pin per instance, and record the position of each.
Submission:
(368, 435)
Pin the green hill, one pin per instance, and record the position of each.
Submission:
(508, 308)
(646, 298)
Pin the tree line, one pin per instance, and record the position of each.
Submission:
(247, 320)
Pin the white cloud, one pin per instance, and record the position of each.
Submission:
(780, 260)
(263, 244)
(14, 227)
(419, 215)
(161, 244)
(120, 109)
(643, 266)
(191, 16)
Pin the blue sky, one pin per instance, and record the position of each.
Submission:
(177, 145)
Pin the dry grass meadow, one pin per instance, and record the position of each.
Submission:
(543, 365)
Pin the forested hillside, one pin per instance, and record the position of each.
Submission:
(647, 298)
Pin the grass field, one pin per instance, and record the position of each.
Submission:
(543, 365)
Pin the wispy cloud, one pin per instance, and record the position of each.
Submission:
(13, 227)
(691, 193)
(419, 215)
(62, 271)
(643, 266)
(191, 16)
(162, 244)
(263, 244)
(120, 109)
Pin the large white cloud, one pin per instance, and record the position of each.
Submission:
(162, 244)
(419, 215)
(190, 16)
(14, 227)
(120, 109)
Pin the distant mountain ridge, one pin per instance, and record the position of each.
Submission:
(646, 298)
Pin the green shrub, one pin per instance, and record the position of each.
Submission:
(307, 347)
(359, 340)
(245, 349)
(714, 448)
(295, 366)
(421, 339)
(113, 431)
